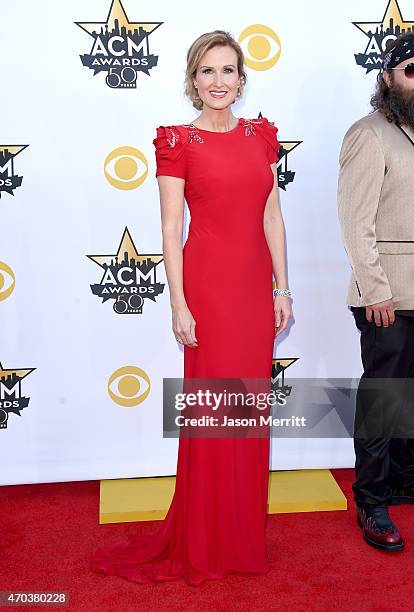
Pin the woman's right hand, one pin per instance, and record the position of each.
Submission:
(183, 325)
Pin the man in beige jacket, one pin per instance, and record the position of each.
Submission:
(376, 212)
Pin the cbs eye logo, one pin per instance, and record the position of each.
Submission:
(126, 168)
(6, 286)
(261, 47)
(129, 386)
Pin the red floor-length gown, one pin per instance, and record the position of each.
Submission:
(216, 522)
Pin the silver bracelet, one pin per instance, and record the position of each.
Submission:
(282, 292)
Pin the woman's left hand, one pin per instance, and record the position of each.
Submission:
(283, 312)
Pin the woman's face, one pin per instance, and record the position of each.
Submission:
(217, 77)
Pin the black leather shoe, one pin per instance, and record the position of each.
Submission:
(402, 495)
(378, 529)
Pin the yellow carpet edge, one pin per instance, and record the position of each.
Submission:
(148, 498)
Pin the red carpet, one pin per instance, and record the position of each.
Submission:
(319, 560)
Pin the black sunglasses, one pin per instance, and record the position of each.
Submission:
(408, 70)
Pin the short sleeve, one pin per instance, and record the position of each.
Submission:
(170, 144)
(268, 130)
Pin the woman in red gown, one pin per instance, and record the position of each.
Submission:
(224, 314)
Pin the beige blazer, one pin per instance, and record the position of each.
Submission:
(376, 211)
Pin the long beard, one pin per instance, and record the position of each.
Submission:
(401, 103)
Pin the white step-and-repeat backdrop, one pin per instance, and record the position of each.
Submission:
(85, 324)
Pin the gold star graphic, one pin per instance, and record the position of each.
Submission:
(280, 365)
(283, 364)
(392, 23)
(4, 373)
(126, 246)
(12, 149)
(288, 146)
(116, 12)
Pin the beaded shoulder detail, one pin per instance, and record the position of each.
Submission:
(174, 137)
(249, 125)
(193, 133)
(170, 142)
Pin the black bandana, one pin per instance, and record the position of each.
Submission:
(399, 53)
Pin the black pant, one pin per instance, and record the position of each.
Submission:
(381, 464)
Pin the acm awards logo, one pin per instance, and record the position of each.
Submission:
(379, 33)
(129, 386)
(284, 175)
(11, 398)
(120, 48)
(9, 180)
(261, 47)
(128, 277)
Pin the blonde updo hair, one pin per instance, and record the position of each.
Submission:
(200, 46)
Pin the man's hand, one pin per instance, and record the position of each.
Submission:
(383, 313)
